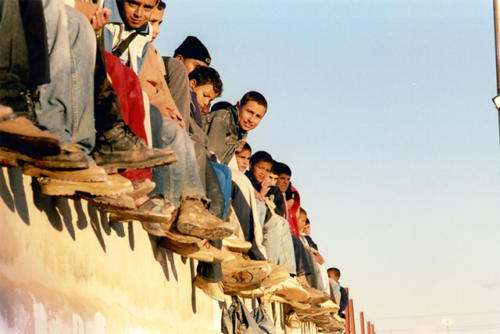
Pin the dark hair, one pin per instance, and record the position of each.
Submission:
(334, 270)
(220, 105)
(161, 5)
(301, 210)
(308, 222)
(273, 169)
(261, 156)
(253, 96)
(282, 168)
(247, 147)
(207, 76)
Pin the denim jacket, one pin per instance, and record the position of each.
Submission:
(223, 132)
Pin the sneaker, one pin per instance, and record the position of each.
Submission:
(338, 318)
(120, 149)
(21, 135)
(154, 210)
(142, 188)
(213, 290)
(92, 173)
(236, 244)
(114, 185)
(194, 219)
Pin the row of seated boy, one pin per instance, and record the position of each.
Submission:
(77, 108)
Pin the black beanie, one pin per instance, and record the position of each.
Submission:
(192, 47)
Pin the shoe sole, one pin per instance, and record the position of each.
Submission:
(143, 217)
(9, 158)
(70, 188)
(107, 203)
(30, 145)
(189, 250)
(15, 159)
(112, 168)
(216, 233)
(75, 175)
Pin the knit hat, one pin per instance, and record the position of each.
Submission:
(192, 47)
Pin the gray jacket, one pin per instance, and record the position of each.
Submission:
(223, 132)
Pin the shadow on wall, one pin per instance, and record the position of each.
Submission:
(60, 217)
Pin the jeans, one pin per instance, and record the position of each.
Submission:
(66, 105)
(278, 242)
(223, 174)
(181, 178)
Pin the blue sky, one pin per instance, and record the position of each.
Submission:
(383, 110)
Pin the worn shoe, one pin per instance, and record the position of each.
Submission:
(242, 274)
(91, 174)
(292, 291)
(330, 306)
(317, 296)
(71, 157)
(114, 185)
(194, 219)
(236, 244)
(213, 290)
(278, 274)
(292, 320)
(120, 149)
(120, 202)
(142, 188)
(338, 318)
(21, 135)
(200, 250)
(155, 210)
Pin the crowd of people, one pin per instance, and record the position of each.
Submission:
(90, 108)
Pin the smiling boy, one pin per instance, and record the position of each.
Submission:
(227, 128)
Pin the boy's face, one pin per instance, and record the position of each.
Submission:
(272, 178)
(261, 170)
(204, 94)
(190, 63)
(250, 115)
(243, 159)
(156, 19)
(307, 229)
(333, 276)
(301, 221)
(136, 13)
(283, 182)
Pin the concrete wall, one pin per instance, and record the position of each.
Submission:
(65, 269)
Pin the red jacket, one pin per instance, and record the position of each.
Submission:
(292, 213)
(128, 89)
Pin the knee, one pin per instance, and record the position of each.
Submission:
(82, 35)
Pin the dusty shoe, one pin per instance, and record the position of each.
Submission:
(242, 274)
(194, 219)
(317, 297)
(91, 174)
(21, 135)
(213, 290)
(236, 244)
(292, 320)
(142, 188)
(113, 186)
(120, 149)
(200, 250)
(278, 274)
(330, 306)
(121, 202)
(71, 157)
(338, 318)
(155, 210)
(292, 291)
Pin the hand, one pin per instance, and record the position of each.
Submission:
(5, 112)
(87, 9)
(258, 196)
(171, 112)
(265, 187)
(101, 18)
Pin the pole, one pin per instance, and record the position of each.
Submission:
(373, 328)
(369, 327)
(352, 324)
(347, 316)
(496, 11)
(362, 322)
